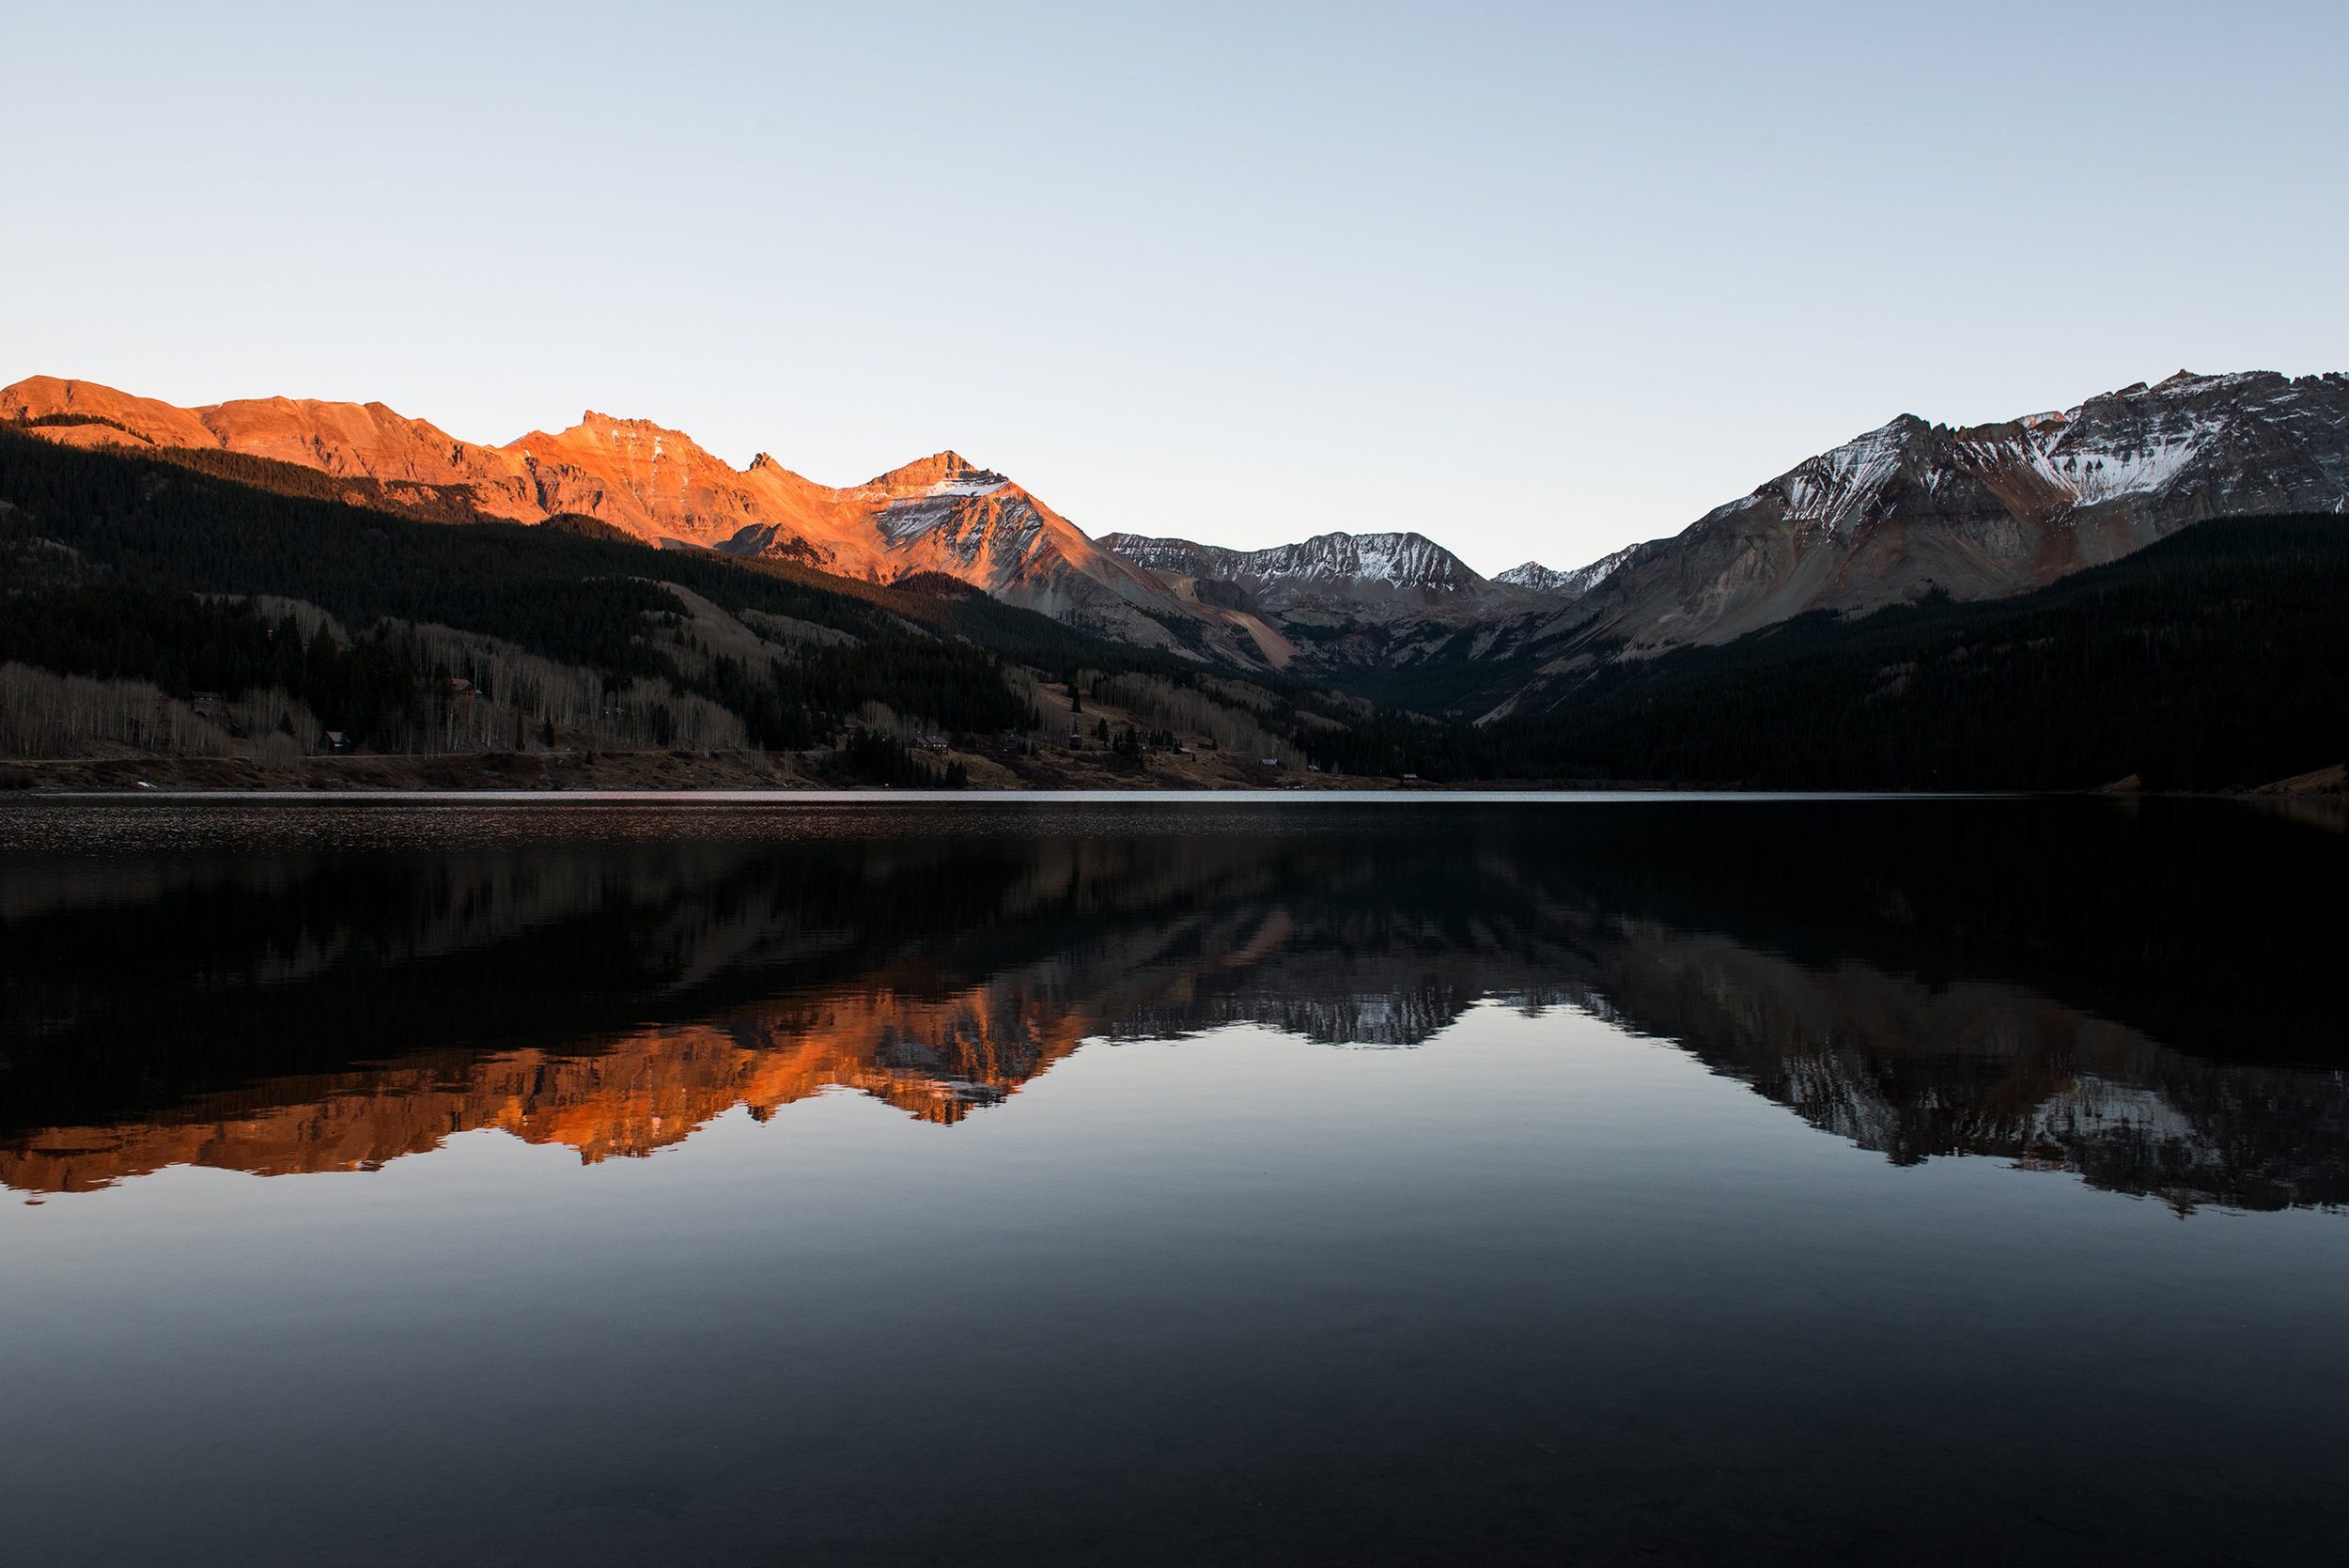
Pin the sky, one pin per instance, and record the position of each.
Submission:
(1535, 281)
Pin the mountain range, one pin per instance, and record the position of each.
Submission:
(939, 514)
(1894, 515)
(1901, 513)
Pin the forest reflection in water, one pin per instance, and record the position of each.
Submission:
(2139, 992)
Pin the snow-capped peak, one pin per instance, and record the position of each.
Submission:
(942, 473)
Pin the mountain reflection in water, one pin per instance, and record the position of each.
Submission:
(2137, 992)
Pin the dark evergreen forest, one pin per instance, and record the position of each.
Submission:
(2218, 657)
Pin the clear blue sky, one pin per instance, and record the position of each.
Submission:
(1534, 280)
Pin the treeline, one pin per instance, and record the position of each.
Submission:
(937, 679)
(185, 645)
(1392, 745)
(884, 760)
(1193, 709)
(2218, 657)
(161, 670)
(53, 421)
(44, 714)
(794, 703)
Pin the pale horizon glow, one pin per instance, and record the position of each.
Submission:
(1534, 281)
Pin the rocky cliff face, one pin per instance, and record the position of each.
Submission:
(945, 514)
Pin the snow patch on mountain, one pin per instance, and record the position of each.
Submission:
(2096, 475)
(1829, 493)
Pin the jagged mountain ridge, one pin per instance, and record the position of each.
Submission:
(1383, 566)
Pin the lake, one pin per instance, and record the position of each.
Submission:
(1230, 1181)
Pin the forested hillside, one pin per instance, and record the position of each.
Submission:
(106, 554)
(2218, 657)
(410, 627)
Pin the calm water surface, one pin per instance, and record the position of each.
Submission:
(1924, 1181)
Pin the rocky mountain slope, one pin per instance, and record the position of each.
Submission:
(1980, 512)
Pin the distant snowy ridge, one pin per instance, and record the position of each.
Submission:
(1325, 560)
(1581, 580)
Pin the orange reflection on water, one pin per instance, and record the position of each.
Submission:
(933, 1057)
